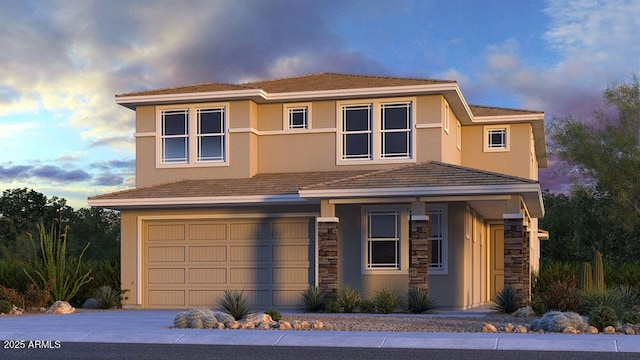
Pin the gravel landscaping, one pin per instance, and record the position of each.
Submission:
(409, 323)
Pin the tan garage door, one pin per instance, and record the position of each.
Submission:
(190, 263)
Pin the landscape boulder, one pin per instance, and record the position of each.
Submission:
(60, 307)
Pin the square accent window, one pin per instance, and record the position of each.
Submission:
(192, 136)
(297, 116)
(496, 138)
(383, 240)
(376, 132)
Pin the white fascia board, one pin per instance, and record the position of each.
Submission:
(197, 201)
(423, 191)
(509, 118)
(377, 91)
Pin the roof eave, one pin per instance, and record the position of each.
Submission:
(195, 201)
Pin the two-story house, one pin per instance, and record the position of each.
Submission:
(273, 186)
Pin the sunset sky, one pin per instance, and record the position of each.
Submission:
(62, 62)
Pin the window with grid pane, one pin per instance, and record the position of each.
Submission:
(436, 240)
(356, 125)
(298, 117)
(396, 130)
(383, 240)
(497, 138)
(175, 136)
(211, 134)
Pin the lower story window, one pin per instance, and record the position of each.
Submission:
(383, 240)
(437, 241)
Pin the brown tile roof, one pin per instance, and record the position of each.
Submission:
(313, 82)
(478, 110)
(333, 81)
(261, 184)
(429, 174)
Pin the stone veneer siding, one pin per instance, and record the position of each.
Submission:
(517, 269)
(419, 254)
(328, 257)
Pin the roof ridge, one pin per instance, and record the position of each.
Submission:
(350, 75)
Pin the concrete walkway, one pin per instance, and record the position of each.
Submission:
(154, 326)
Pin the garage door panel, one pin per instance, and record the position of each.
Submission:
(250, 231)
(208, 276)
(290, 230)
(166, 276)
(249, 253)
(207, 231)
(258, 298)
(208, 253)
(165, 254)
(250, 275)
(290, 253)
(206, 298)
(166, 232)
(168, 298)
(298, 275)
(285, 298)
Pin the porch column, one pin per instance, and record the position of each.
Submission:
(327, 225)
(418, 247)
(517, 268)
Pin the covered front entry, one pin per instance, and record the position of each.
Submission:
(190, 263)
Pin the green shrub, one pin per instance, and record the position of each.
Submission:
(107, 297)
(332, 306)
(419, 301)
(621, 299)
(11, 295)
(603, 316)
(275, 314)
(367, 306)
(558, 296)
(506, 301)
(622, 274)
(313, 300)
(631, 317)
(386, 300)
(5, 307)
(234, 303)
(348, 298)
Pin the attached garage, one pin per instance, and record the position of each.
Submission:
(190, 263)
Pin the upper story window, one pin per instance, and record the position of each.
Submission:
(459, 135)
(445, 121)
(496, 138)
(193, 135)
(375, 131)
(297, 116)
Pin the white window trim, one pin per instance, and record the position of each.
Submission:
(376, 155)
(286, 125)
(445, 238)
(193, 136)
(403, 219)
(445, 119)
(485, 140)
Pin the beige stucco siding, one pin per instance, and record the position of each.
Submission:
(516, 161)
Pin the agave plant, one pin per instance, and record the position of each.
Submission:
(313, 300)
(234, 303)
(419, 301)
(506, 301)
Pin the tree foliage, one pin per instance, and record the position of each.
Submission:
(602, 213)
(607, 150)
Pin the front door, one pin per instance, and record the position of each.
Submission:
(496, 258)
